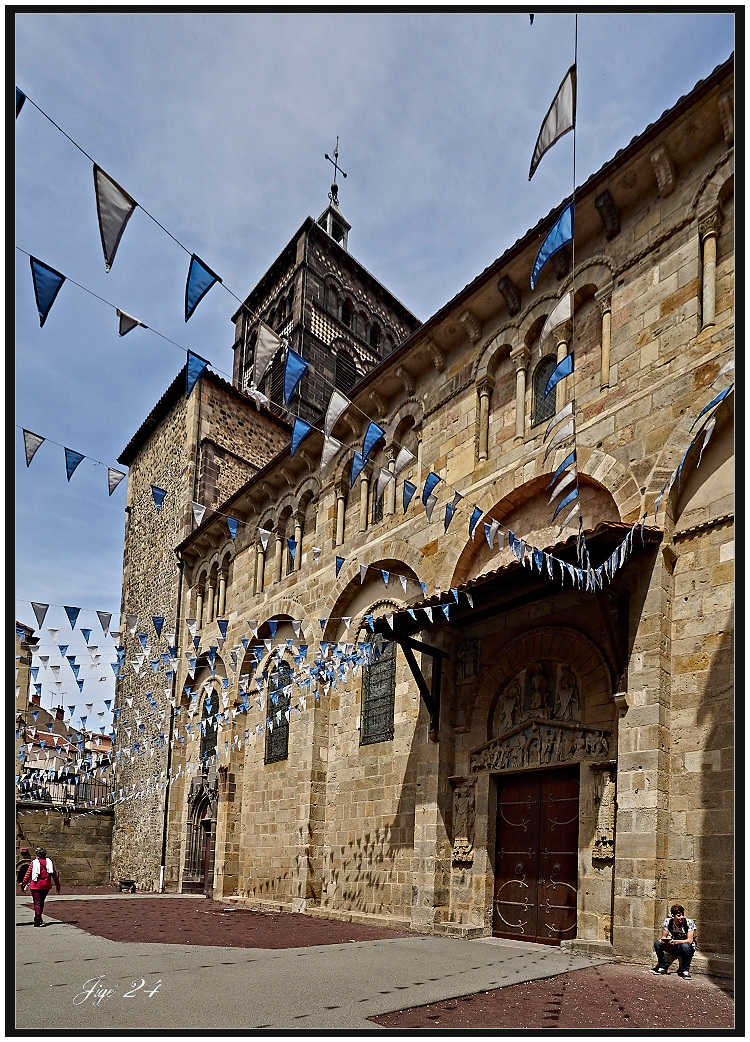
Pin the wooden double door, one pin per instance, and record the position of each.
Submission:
(536, 857)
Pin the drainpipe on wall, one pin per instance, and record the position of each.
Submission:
(180, 566)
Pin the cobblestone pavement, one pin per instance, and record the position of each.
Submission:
(337, 975)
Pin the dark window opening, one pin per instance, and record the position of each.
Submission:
(378, 697)
(543, 408)
(346, 372)
(277, 709)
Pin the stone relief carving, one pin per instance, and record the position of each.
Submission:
(467, 661)
(604, 843)
(463, 820)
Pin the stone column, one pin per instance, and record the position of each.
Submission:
(199, 606)
(520, 356)
(709, 233)
(389, 500)
(562, 335)
(364, 488)
(278, 559)
(485, 388)
(209, 600)
(222, 593)
(340, 510)
(260, 561)
(604, 301)
(298, 518)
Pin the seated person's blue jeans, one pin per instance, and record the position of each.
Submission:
(684, 953)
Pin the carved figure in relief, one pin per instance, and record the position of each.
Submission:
(468, 654)
(539, 687)
(604, 843)
(548, 746)
(463, 822)
(532, 747)
(567, 704)
(510, 705)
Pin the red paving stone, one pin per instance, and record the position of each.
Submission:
(196, 920)
(605, 998)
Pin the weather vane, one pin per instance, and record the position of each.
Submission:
(333, 194)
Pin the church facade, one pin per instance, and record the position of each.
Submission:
(421, 696)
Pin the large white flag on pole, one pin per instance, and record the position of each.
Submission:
(560, 118)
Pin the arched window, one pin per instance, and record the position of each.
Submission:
(377, 504)
(378, 694)
(543, 408)
(346, 372)
(209, 724)
(375, 337)
(277, 710)
(347, 313)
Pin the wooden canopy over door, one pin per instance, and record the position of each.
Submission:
(537, 855)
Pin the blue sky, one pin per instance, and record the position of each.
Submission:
(217, 124)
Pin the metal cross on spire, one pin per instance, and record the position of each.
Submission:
(333, 195)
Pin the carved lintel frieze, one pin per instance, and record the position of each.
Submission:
(437, 356)
(406, 378)
(512, 294)
(380, 402)
(609, 214)
(539, 742)
(663, 167)
(472, 325)
(726, 110)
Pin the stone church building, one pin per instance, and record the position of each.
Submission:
(408, 710)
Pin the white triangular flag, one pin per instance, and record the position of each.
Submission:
(267, 344)
(198, 511)
(336, 406)
(561, 312)
(560, 118)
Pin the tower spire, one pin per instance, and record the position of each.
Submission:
(333, 195)
(332, 218)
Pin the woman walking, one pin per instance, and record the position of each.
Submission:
(40, 876)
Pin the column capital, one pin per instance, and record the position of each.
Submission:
(563, 333)
(710, 224)
(520, 355)
(485, 386)
(603, 298)
(342, 489)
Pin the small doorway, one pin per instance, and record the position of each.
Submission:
(536, 855)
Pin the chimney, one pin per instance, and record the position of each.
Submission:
(58, 712)
(36, 700)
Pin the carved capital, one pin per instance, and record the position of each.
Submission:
(380, 402)
(726, 110)
(342, 489)
(472, 325)
(438, 359)
(609, 214)
(710, 224)
(604, 301)
(353, 425)
(520, 356)
(661, 161)
(512, 294)
(485, 386)
(563, 333)
(406, 379)
(561, 263)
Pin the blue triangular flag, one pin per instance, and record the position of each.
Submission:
(476, 514)
(47, 283)
(358, 463)
(20, 631)
(446, 610)
(222, 624)
(301, 429)
(199, 281)
(559, 236)
(292, 544)
(409, 490)
(143, 638)
(386, 576)
(158, 494)
(322, 628)
(372, 436)
(273, 625)
(567, 499)
(432, 480)
(72, 614)
(80, 688)
(232, 524)
(293, 373)
(339, 562)
(570, 458)
(86, 634)
(72, 459)
(195, 366)
(63, 648)
(715, 401)
(20, 98)
(449, 512)
(562, 369)
(158, 621)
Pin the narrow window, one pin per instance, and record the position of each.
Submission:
(347, 313)
(377, 504)
(346, 373)
(378, 692)
(277, 709)
(543, 408)
(209, 725)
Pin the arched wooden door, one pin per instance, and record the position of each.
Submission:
(536, 862)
